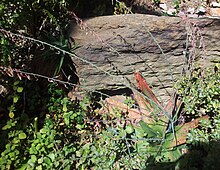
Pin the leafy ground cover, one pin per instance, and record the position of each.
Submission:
(41, 128)
(75, 135)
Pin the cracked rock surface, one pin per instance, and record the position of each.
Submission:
(117, 46)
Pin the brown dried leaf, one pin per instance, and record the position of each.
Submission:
(118, 103)
(181, 134)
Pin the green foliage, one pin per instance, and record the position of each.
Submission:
(64, 111)
(121, 8)
(208, 130)
(54, 132)
(5, 47)
(203, 144)
(59, 59)
(201, 92)
(65, 140)
(49, 147)
(32, 16)
(128, 147)
(177, 5)
(70, 137)
(36, 19)
(14, 151)
(14, 99)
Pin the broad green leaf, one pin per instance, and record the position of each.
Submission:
(40, 160)
(142, 146)
(66, 118)
(47, 161)
(6, 127)
(16, 83)
(22, 135)
(78, 126)
(39, 167)
(64, 108)
(19, 89)
(11, 115)
(139, 132)
(122, 133)
(15, 140)
(149, 131)
(33, 150)
(23, 166)
(173, 155)
(43, 130)
(15, 99)
(33, 158)
(129, 129)
(51, 156)
(159, 129)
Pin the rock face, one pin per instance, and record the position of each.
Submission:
(113, 48)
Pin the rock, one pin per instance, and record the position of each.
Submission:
(215, 12)
(215, 4)
(115, 47)
(201, 10)
(171, 11)
(191, 10)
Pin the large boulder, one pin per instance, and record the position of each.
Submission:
(113, 48)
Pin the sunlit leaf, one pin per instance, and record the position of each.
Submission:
(19, 89)
(15, 99)
(22, 135)
(33, 158)
(6, 127)
(16, 83)
(11, 115)
(129, 129)
(39, 167)
(47, 161)
(64, 108)
(148, 130)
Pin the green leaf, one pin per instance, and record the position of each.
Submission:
(39, 167)
(172, 155)
(43, 130)
(15, 140)
(15, 99)
(64, 108)
(16, 83)
(33, 150)
(159, 129)
(22, 135)
(66, 118)
(51, 156)
(129, 129)
(122, 133)
(40, 160)
(33, 158)
(78, 126)
(139, 132)
(23, 166)
(47, 161)
(6, 127)
(19, 89)
(11, 115)
(147, 129)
